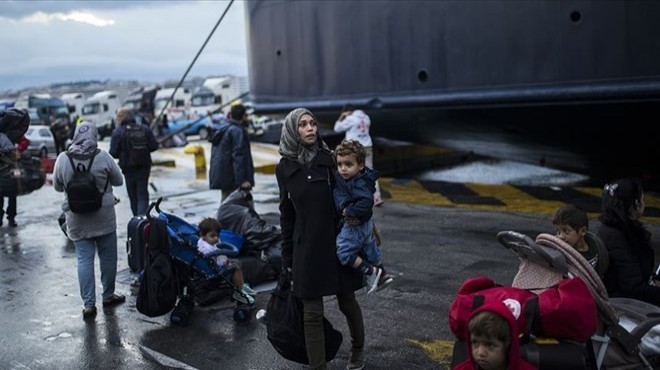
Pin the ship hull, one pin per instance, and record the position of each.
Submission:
(567, 84)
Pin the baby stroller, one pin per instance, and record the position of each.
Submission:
(626, 337)
(193, 269)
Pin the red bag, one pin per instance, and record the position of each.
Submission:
(567, 311)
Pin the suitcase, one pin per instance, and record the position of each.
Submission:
(136, 242)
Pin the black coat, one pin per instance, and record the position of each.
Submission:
(309, 226)
(231, 158)
(631, 265)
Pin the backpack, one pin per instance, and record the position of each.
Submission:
(137, 146)
(81, 191)
(158, 289)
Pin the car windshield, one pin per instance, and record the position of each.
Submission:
(91, 108)
(202, 100)
(29, 131)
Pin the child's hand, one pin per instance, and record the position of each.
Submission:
(222, 260)
(343, 212)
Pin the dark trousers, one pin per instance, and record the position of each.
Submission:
(137, 186)
(11, 207)
(314, 333)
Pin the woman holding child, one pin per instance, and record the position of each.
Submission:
(309, 225)
(630, 273)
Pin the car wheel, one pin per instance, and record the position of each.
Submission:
(43, 153)
(203, 133)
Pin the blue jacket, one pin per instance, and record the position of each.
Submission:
(356, 195)
(118, 144)
(231, 158)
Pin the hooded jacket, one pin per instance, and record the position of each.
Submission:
(231, 158)
(356, 195)
(356, 126)
(516, 362)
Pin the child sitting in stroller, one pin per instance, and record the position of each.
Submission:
(208, 245)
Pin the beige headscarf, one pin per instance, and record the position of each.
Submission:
(290, 144)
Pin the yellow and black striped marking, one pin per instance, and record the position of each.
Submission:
(511, 198)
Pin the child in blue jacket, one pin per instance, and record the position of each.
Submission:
(354, 199)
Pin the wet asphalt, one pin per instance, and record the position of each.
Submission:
(430, 250)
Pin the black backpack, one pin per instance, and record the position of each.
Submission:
(81, 191)
(137, 146)
(158, 289)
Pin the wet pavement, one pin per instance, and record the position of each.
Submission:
(431, 243)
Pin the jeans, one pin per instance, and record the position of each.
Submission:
(137, 186)
(85, 251)
(313, 326)
(357, 240)
(11, 207)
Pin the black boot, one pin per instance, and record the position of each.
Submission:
(11, 222)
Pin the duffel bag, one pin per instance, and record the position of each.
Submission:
(20, 177)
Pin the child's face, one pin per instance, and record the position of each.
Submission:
(211, 237)
(571, 236)
(347, 166)
(488, 353)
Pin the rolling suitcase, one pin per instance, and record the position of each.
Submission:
(136, 242)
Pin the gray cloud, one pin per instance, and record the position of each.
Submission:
(20, 9)
(153, 42)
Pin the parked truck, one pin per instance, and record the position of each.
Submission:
(100, 109)
(141, 102)
(75, 102)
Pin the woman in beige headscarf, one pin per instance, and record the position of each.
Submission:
(309, 224)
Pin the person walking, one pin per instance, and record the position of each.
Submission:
(132, 143)
(231, 158)
(91, 231)
(11, 210)
(309, 221)
(356, 124)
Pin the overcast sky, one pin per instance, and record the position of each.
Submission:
(60, 41)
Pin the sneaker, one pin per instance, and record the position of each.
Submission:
(243, 298)
(373, 279)
(248, 290)
(88, 312)
(356, 361)
(384, 281)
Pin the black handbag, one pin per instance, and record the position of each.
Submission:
(284, 325)
(20, 177)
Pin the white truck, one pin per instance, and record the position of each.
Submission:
(74, 102)
(217, 91)
(100, 109)
(178, 108)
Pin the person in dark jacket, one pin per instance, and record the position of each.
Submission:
(354, 199)
(309, 222)
(630, 273)
(136, 176)
(231, 159)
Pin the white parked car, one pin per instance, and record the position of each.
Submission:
(42, 142)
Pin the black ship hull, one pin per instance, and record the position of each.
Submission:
(568, 84)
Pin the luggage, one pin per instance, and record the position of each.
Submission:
(136, 240)
(20, 177)
(284, 325)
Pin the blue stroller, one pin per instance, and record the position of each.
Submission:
(193, 268)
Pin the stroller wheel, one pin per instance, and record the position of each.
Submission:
(242, 314)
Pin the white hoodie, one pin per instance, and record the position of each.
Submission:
(356, 126)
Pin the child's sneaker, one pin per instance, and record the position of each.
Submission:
(248, 290)
(373, 279)
(243, 298)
